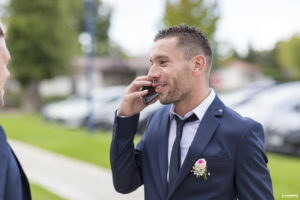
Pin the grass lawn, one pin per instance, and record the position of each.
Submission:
(38, 192)
(285, 175)
(94, 148)
(78, 144)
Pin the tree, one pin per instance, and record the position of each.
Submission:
(282, 62)
(270, 65)
(198, 13)
(268, 62)
(102, 15)
(41, 41)
(288, 57)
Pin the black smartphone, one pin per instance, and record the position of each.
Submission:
(151, 94)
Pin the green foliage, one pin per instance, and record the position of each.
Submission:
(40, 38)
(270, 66)
(198, 13)
(282, 62)
(288, 56)
(268, 62)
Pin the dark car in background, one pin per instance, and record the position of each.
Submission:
(242, 95)
(74, 111)
(283, 131)
(277, 109)
(105, 118)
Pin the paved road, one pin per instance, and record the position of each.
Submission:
(67, 177)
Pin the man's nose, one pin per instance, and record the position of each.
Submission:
(154, 72)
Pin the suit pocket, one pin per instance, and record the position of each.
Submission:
(215, 156)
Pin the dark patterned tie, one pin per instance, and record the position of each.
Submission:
(175, 160)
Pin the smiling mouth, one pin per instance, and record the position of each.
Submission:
(158, 87)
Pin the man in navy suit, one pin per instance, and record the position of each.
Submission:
(221, 154)
(13, 182)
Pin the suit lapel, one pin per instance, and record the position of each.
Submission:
(163, 149)
(205, 131)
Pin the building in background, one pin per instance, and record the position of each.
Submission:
(235, 74)
(107, 72)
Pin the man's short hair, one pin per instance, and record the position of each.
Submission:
(191, 41)
(1, 32)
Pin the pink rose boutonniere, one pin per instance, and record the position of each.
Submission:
(200, 169)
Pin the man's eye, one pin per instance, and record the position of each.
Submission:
(162, 62)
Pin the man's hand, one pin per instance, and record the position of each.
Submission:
(132, 102)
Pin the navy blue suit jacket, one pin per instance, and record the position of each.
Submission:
(13, 182)
(233, 147)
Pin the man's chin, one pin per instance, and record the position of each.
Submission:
(165, 101)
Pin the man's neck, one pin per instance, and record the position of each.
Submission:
(183, 107)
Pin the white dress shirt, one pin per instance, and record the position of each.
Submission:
(189, 129)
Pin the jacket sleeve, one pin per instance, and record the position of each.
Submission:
(252, 176)
(124, 158)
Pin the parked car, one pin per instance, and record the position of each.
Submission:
(244, 94)
(105, 119)
(144, 115)
(263, 106)
(74, 111)
(277, 109)
(283, 131)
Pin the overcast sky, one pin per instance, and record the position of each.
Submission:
(259, 22)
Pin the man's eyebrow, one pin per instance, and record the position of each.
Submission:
(158, 57)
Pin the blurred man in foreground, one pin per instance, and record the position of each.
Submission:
(194, 147)
(13, 181)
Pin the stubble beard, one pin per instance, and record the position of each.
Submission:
(178, 91)
(171, 97)
(174, 95)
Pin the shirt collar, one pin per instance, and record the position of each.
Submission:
(199, 110)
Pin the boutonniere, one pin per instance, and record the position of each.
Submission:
(200, 169)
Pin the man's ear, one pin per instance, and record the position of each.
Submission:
(199, 63)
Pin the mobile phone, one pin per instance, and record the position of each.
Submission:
(150, 96)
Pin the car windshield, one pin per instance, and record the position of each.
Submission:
(277, 95)
(109, 94)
